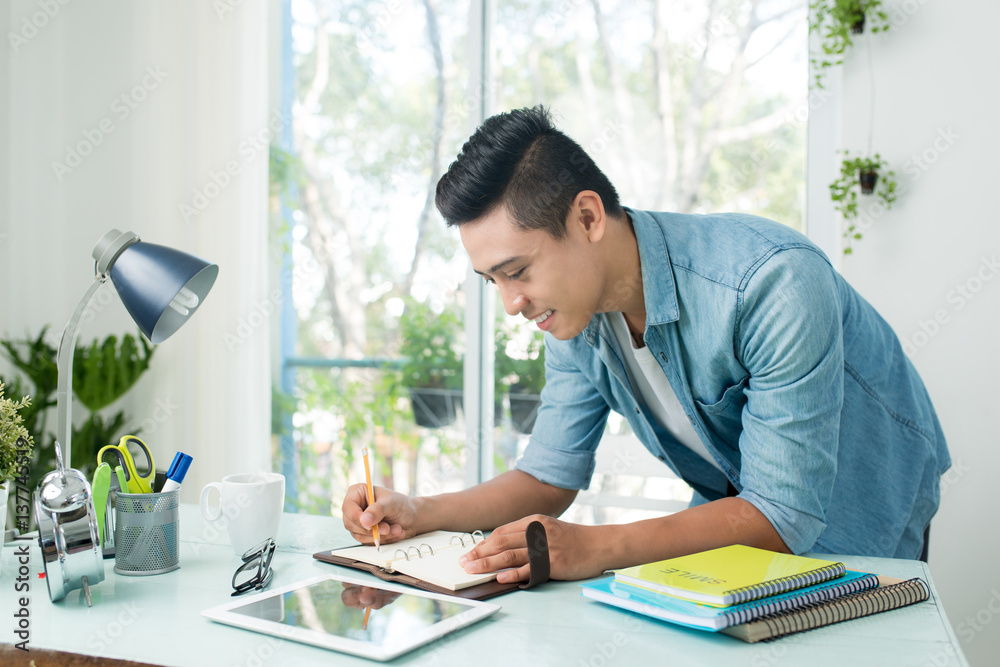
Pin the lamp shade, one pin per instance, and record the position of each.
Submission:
(161, 287)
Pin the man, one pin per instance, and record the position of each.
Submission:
(741, 359)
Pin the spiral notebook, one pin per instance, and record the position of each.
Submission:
(730, 575)
(891, 593)
(691, 614)
(428, 561)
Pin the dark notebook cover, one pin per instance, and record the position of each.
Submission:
(478, 592)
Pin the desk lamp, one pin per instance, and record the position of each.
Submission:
(160, 287)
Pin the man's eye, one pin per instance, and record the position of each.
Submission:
(515, 276)
(489, 281)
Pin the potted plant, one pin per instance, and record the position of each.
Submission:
(16, 447)
(525, 391)
(503, 369)
(870, 175)
(432, 362)
(102, 373)
(835, 21)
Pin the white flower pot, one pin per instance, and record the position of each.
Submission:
(4, 491)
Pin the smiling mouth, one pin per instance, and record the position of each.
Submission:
(541, 318)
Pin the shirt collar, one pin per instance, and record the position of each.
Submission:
(659, 289)
(658, 286)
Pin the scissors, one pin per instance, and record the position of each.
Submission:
(139, 479)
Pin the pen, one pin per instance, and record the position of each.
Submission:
(175, 474)
(371, 495)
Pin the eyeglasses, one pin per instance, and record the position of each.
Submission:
(255, 572)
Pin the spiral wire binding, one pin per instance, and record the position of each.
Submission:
(771, 607)
(418, 550)
(780, 585)
(461, 539)
(855, 605)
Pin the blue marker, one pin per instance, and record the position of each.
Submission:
(175, 474)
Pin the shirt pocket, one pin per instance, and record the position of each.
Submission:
(725, 416)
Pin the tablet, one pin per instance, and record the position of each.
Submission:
(374, 620)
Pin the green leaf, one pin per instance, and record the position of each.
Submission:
(16, 444)
(103, 372)
(429, 346)
(832, 20)
(844, 190)
(37, 360)
(94, 433)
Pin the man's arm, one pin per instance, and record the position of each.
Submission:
(716, 524)
(579, 552)
(505, 498)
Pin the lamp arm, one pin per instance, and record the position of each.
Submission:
(64, 390)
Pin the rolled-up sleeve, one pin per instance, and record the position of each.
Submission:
(789, 337)
(569, 424)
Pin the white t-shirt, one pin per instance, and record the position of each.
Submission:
(654, 391)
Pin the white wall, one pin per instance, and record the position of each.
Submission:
(931, 265)
(195, 81)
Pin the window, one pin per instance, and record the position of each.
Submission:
(691, 107)
(375, 275)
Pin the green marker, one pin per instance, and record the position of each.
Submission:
(100, 488)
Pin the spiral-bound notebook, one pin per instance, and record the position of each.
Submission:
(428, 561)
(705, 617)
(730, 575)
(891, 593)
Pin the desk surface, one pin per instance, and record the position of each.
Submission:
(158, 619)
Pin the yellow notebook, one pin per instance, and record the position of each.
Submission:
(730, 575)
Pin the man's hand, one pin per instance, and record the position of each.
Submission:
(359, 597)
(395, 514)
(575, 551)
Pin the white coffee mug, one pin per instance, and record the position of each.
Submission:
(251, 506)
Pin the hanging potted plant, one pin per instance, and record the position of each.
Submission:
(16, 447)
(835, 21)
(432, 366)
(870, 176)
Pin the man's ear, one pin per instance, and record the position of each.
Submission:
(587, 211)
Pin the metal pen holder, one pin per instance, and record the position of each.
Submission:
(147, 532)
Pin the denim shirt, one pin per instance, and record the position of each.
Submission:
(800, 391)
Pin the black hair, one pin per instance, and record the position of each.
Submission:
(519, 160)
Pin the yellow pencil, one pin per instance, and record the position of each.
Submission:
(368, 611)
(371, 495)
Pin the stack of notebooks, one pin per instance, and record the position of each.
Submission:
(752, 594)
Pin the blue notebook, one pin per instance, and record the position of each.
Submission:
(704, 617)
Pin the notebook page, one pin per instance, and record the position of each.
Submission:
(431, 557)
(442, 569)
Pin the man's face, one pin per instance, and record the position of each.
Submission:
(554, 282)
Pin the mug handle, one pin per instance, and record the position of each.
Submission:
(204, 501)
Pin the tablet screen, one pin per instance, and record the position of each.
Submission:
(376, 620)
(353, 611)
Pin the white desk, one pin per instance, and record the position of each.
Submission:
(157, 619)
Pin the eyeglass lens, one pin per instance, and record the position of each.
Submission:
(255, 572)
